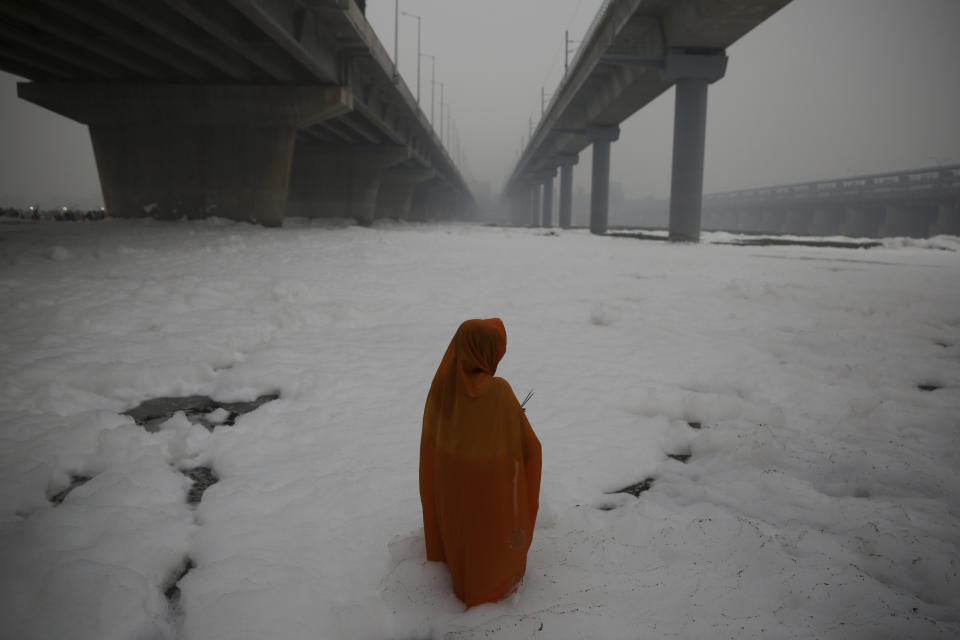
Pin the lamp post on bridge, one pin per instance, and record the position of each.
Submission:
(449, 126)
(433, 83)
(441, 113)
(396, 38)
(419, 54)
(566, 51)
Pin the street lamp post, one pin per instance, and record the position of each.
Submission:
(419, 55)
(396, 37)
(567, 50)
(441, 113)
(433, 83)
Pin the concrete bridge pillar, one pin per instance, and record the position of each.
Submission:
(909, 221)
(797, 221)
(535, 206)
(749, 219)
(397, 186)
(692, 74)
(948, 219)
(827, 221)
(339, 181)
(566, 189)
(547, 218)
(429, 200)
(601, 137)
(520, 207)
(862, 222)
(175, 151)
(720, 219)
(771, 221)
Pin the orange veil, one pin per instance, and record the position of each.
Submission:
(479, 468)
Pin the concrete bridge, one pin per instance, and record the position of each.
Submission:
(244, 109)
(918, 203)
(634, 51)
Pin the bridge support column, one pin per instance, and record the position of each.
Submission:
(827, 221)
(797, 221)
(910, 221)
(192, 151)
(862, 222)
(686, 181)
(692, 74)
(516, 203)
(566, 190)
(948, 219)
(535, 205)
(395, 196)
(771, 221)
(428, 200)
(334, 181)
(547, 219)
(749, 220)
(601, 137)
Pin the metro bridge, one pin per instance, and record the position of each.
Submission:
(244, 109)
(634, 51)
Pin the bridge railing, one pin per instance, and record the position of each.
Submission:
(582, 48)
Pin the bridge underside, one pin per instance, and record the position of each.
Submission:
(244, 109)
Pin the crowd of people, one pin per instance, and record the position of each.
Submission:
(63, 214)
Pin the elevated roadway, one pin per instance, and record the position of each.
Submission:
(634, 51)
(245, 109)
(917, 203)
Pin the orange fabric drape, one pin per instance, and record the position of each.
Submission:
(479, 468)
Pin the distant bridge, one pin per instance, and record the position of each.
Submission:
(917, 203)
(634, 51)
(245, 109)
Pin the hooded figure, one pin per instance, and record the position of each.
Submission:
(479, 468)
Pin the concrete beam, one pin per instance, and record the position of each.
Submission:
(175, 151)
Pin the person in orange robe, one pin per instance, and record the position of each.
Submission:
(479, 468)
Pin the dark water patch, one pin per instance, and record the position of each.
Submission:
(635, 489)
(75, 481)
(788, 242)
(679, 457)
(150, 414)
(943, 343)
(203, 478)
(637, 236)
(928, 387)
(171, 589)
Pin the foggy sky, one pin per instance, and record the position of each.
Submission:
(823, 89)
